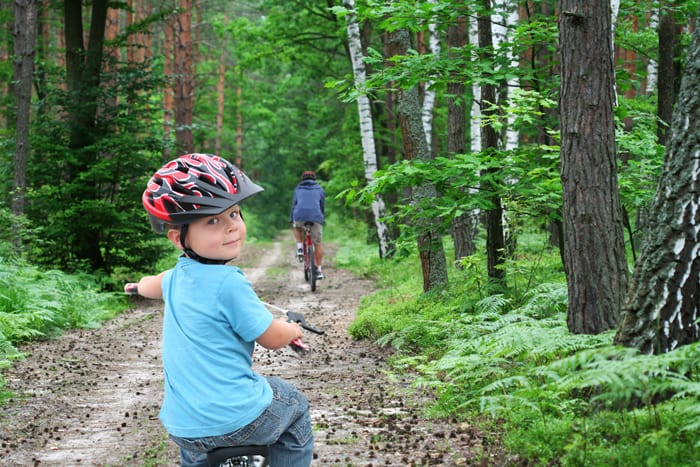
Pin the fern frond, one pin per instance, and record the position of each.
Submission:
(492, 304)
(545, 300)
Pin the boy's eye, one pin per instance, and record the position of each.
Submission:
(213, 221)
(235, 214)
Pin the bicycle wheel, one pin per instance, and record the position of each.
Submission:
(307, 276)
(312, 268)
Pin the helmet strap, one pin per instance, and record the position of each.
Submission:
(189, 252)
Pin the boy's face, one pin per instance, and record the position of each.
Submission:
(218, 237)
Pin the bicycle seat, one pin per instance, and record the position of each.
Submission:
(219, 455)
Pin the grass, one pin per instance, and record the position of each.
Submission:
(37, 305)
(509, 359)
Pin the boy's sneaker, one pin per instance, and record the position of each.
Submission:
(319, 274)
(300, 255)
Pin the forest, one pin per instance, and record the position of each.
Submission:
(526, 171)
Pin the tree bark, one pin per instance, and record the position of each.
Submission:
(83, 72)
(669, 35)
(594, 250)
(463, 227)
(661, 311)
(366, 126)
(184, 78)
(83, 68)
(415, 146)
(25, 30)
(495, 240)
(429, 94)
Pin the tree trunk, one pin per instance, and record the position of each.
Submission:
(661, 311)
(430, 248)
(463, 227)
(220, 97)
(168, 92)
(184, 79)
(83, 68)
(495, 240)
(366, 127)
(669, 36)
(429, 94)
(25, 29)
(83, 72)
(594, 250)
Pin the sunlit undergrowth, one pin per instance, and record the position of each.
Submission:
(556, 397)
(36, 304)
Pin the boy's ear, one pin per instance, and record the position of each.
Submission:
(174, 237)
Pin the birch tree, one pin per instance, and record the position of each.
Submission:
(661, 311)
(366, 126)
(429, 95)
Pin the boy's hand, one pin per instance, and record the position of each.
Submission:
(299, 346)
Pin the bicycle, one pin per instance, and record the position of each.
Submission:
(257, 456)
(241, 456)
(308, 258)
(249, 456)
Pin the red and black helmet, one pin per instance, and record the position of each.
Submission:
(308, 175)
(194, 186)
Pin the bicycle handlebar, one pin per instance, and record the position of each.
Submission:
(292, 316)
(295, 317)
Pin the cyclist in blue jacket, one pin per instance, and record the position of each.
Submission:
(309, 205)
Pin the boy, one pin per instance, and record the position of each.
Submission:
(213, 319)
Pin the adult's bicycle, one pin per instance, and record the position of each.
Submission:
(308, 257)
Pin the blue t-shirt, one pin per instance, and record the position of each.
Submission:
(212, 319)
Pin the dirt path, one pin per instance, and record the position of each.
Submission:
(92, 397)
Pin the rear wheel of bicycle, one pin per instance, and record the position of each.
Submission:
(312, 268)
(246, 461)
(307, 277)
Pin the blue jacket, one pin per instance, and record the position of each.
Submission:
(308, 202)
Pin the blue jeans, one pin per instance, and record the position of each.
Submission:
(285, 426)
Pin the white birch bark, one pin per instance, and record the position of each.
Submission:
(615, 8)
(475, 114)
(429, 97)
(369, 152)
(506, 18)
(653, 65)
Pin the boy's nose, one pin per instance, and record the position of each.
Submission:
(231, 224)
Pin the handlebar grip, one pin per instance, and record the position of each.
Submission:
(131, 288)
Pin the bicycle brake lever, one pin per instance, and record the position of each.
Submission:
(295, 317)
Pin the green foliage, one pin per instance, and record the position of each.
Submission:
(36, 304)
(554, 397)
(83, 204)
(641, 157)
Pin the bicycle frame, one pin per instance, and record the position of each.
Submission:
(245, 456)
(309, 258)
